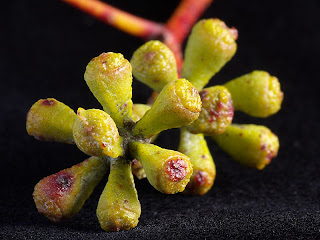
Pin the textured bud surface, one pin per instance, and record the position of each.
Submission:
(178, 104)
(109, 77)
(154, 64)
(249, 144)
(51, 120)
(210, 46)
(216, 112)
(119, 207)
(63, 194)
(257, 94)
(96, 134)
(167, 171)
(204, 170)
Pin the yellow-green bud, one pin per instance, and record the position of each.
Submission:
(51, 120)
(138, 111)
(204, 169)
(178, 104)
(63, 194)
(257, 94)
(167, 171)
(251, 145)
(210, 46)
(119, 207)
(96, 134)
(216, 112)
(154, 64)
(109, 77)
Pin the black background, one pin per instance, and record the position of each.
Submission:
(45, 46)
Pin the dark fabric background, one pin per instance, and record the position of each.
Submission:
(45, 46)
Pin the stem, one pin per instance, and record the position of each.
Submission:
(175, 47)
(122, 20)
(172, 34)
(180, 23)
(184, 17)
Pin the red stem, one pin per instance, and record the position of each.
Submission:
(172, 34)
(122, 20)
(184, 17)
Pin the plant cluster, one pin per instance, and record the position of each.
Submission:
(119, 138)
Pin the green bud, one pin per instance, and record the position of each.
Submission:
(96, 134)
(167, 171)
(138, 111)
(154, 64)
(178, 104)
(204, 169)
(251, 145)
(216, 112)
(210, 46)
(51, 120)
(119, 207)
(257, 94)
(63, 194)
(109, 77)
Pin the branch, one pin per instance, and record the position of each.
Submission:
(122, 20)
(172, 34)
(184, 17)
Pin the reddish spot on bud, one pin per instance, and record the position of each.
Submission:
(59, 184)
(222, 110)
(213, 115)
(203, 94)
(199, 183)
(103, 144)
(48, 102)
(271, 154)
(123, 106)
(149, 56)
(194, 92)
(176, 169)
(203, 156)
(263, 147)
(200, 178)
(234, 33)
(89, 129)
(64, 182)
